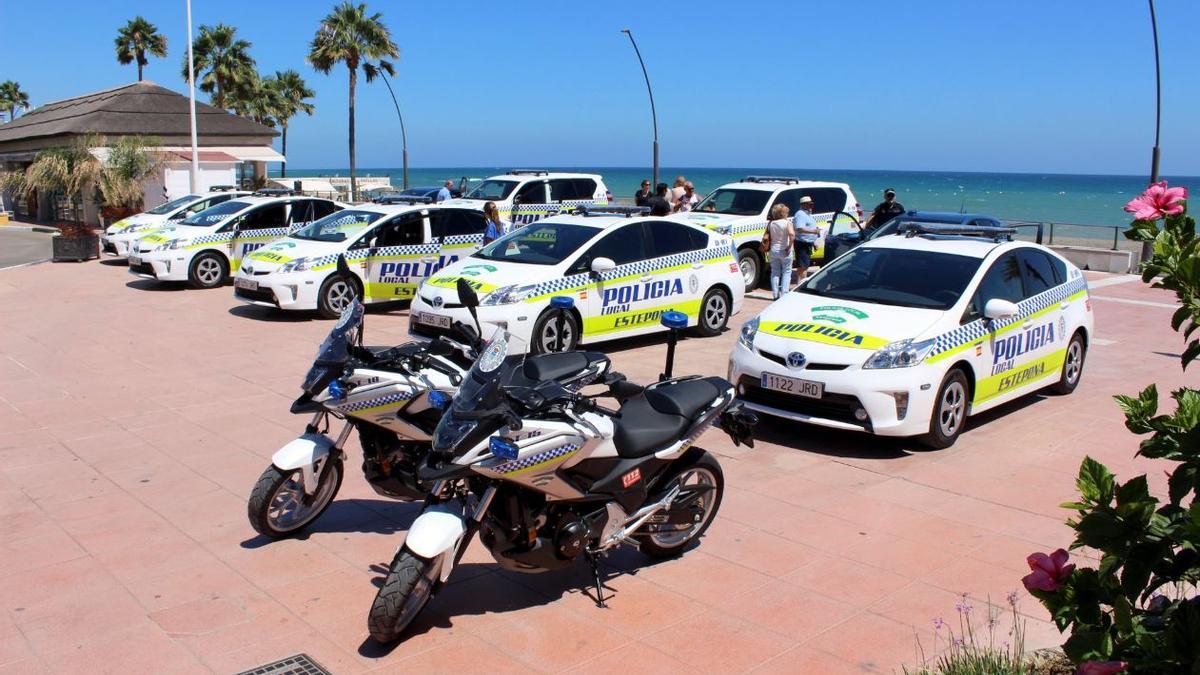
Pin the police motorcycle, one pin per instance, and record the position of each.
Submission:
(545, 475)
(393, 397)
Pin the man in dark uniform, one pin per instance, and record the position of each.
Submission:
(659, 205)
(642, 196)
(889, 208)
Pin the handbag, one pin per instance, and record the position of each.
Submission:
(765, 245)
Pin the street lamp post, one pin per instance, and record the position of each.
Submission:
(403, 134)
(1148, 247)
(653, 113)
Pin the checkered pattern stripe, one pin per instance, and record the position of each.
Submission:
(463, 239)
(650, 266)
(752, 226)
(976, 330)
(533, 460)
(359, 406)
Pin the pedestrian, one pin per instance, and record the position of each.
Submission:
(660, 204)
(888, 208)
(677, 190)
(496, 227)
(807, 233)
(642, 196)
(689, 199)
(444, 193)
(778, 247)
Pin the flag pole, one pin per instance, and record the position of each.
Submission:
(192, 101)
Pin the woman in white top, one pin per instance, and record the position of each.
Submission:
(780, 235)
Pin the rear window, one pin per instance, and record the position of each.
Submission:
(216, 214)
(900, 277)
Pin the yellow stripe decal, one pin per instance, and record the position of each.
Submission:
(638, 318)
(1020, 376)
(821, 332)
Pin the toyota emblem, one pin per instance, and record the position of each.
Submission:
(796, 360)
(437, 301)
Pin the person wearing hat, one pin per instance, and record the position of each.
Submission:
(807, 234)
(889, 208)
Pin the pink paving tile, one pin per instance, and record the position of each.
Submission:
(716, 642)
(464, 654)
(31, 666)
(772, 555)
(790, 610)
(199, 617)
(278, 563)
(853, 583)
(205, 577)
(804, 659)
(634, 607)
(553, 638)
(14, 648)
(905, 556)
(79, 618)
(333, 657)
(47, 546)
(870, 642)
(635, 658)
(687, 576)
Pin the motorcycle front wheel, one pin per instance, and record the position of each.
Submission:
(405, 592)
(704, 474)
(278, 506)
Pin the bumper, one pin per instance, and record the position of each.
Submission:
(160, 265)
(517, 318)
(852, 399)
(114, 246)
(284, 291)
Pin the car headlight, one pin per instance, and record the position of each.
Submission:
(507, 295)
(171, 244)
(749, 330)
(297, 265)
(900, 354)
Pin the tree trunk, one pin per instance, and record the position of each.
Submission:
(353, 180)
(283, 166)
(139, 70)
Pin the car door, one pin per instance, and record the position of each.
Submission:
(459, 233)
(531, 202)
(674, 262)
(400, 255)
(256, 229)
(1006, 348)
(1049, 310)
(617, 301)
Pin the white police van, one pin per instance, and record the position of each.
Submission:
(908, 334)
(391, 248)
(526, 195)
(623, 270)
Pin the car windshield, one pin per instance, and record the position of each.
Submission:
(336, 226)
(219, 213)
(539, 244)
(416, 192)
(491, 190)
(890, 276)
(735, 202)
(163, 209)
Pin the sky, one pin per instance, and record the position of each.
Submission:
(1058, 86)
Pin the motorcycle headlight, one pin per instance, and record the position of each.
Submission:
(507, 295)
(297, 265)
(451, 431)
(171, 245)
(900, 354)
(749, 330)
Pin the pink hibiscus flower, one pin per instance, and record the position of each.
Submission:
(1157, 201)
(1049, 573)
(1101, 668)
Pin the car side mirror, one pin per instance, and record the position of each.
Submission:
(602, 265)
(997, 308)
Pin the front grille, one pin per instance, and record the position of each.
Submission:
(810, 366)
(837, 407)
(449, 305)
(260, 295)
(142, 268)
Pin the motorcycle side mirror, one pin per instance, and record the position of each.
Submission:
(469, 299)
(343, 270)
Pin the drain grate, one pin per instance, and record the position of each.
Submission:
(300, 664)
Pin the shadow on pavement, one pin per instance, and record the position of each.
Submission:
(371, 516)
(114, 262)
(155, 285)
(271, 315)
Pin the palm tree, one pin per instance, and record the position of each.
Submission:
(292, 92)
(257, 99)
(11, 98)
(137, 37)
(349, 36)
(226, 59)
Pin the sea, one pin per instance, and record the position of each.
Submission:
(1064, 199)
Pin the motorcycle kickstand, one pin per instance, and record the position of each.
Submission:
(594, 561)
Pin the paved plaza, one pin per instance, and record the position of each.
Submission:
(135, 417)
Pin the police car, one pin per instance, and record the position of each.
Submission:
(115, 240)
(390, 248)
(204, 247)
(907, 335)
(623, 269)
(526, 195)
(743, 207)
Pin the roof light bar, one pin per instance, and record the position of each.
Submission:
(627, 211)
(787, 180)
(527, 172)
(912, 229)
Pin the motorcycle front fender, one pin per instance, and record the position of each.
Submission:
(437, 531)
(303, 453)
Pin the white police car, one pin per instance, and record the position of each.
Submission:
(907, 335)
(203, 248)
(526, 195)
(622, 269)
(743, 207)
(115, 240)
(390, 248)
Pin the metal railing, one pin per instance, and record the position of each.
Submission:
(1047, 229)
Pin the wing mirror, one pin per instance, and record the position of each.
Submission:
(602, 265)
(470, 299)
(999, 309)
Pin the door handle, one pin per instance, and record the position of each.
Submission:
(1064, 304)
(646, 278)
(1027, 325)
(697, 266)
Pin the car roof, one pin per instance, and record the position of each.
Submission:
(971, 246)
(769, 185)
(602, 221)
(523, 174)
(389, 209)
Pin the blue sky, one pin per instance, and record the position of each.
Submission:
(1040, 86)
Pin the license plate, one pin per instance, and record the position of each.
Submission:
(134, 260)
(248, 284)
(793, 385)
(435, 320)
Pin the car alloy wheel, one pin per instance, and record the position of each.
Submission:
(952, 408)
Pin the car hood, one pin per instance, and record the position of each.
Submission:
(486, 276)
(281, 251)
(136, 223)
(836, 331)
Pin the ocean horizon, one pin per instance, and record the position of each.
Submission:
(1063, 199)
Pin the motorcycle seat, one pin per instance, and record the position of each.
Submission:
(559, 365)
(661, 415)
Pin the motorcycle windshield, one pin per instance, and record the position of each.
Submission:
(479, 394)
(334, 351)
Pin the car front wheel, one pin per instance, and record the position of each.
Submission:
(949, 411)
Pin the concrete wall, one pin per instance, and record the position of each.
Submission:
(1097, 259)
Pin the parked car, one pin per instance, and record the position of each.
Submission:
(909, 335)
(205, 247)
(743, 207)
(526, 195)
(413, 194)
(115, 239)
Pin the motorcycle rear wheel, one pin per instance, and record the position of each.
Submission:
(704, 471)
(404, 593)
(276, 506)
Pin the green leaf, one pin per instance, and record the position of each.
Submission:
(1190, 354)
(1179, 317)
(1088, 645)
(1182, 481)
(1095, 481)
(1098, 529)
